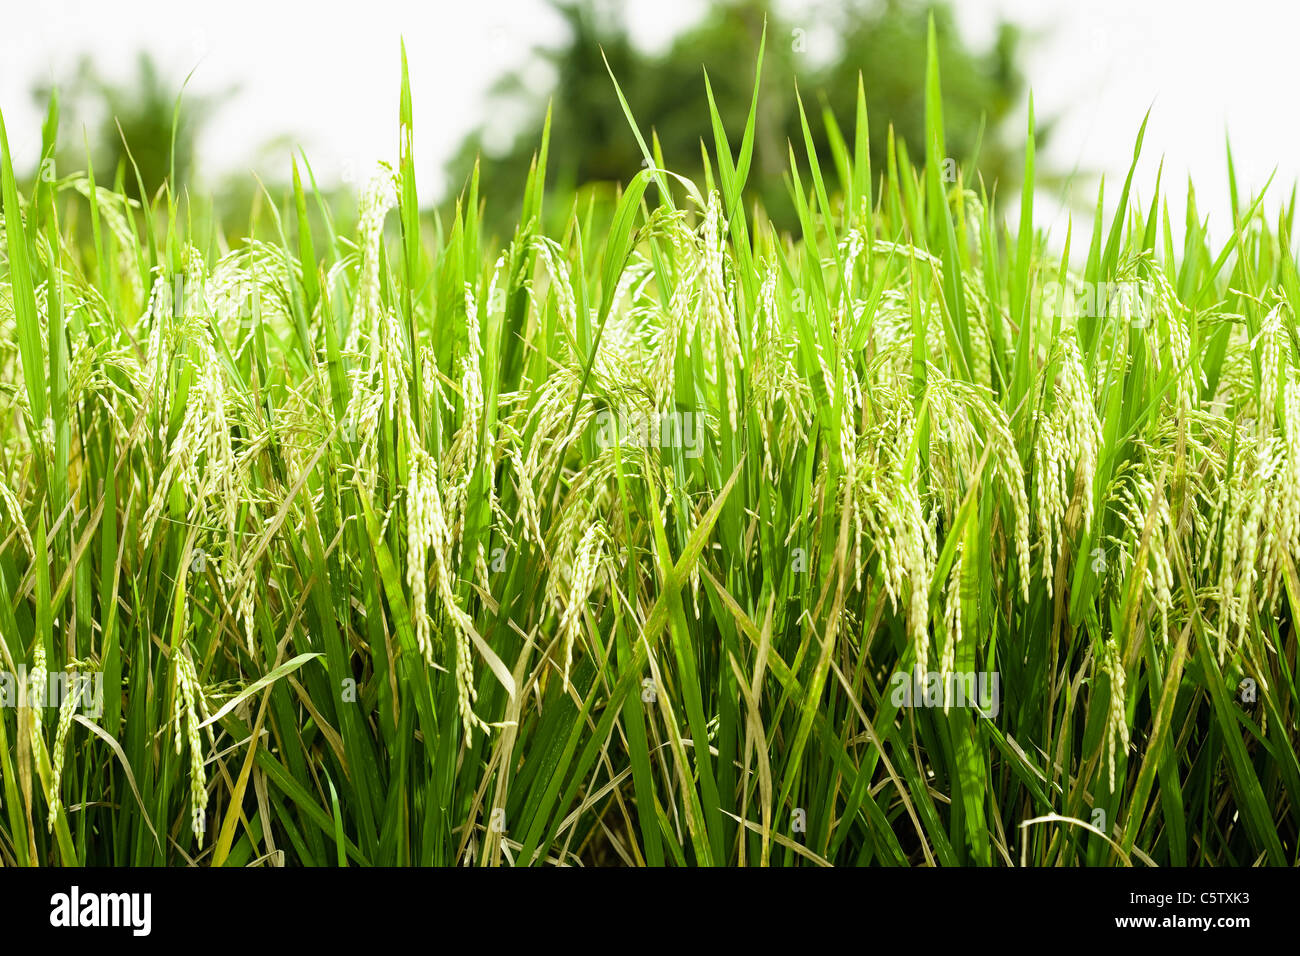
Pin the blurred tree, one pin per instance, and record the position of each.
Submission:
(138, 116)
(884, 40)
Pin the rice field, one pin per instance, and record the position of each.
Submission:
(647, 535)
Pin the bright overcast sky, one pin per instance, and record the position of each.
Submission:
(327, 74)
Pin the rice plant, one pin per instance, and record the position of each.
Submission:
(648, 535)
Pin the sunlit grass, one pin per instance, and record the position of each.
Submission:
(619, 544)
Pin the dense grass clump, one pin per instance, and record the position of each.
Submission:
(659, 537)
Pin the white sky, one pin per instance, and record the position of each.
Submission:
(327, 74)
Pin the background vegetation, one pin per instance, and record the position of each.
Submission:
(883, 42)
(591, 147)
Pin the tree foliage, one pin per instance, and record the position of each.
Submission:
(883, 42)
